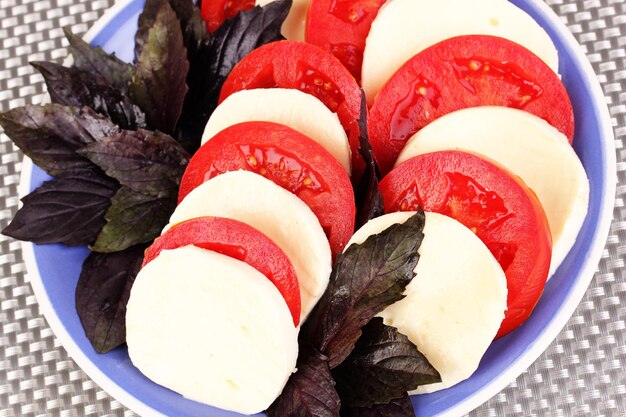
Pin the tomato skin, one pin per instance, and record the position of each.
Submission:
(503, 212)
(462, 72)
(309, 171)
(215, 12)
(310, 69)
(240, 241)
(341, 27)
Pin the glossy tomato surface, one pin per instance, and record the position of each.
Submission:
(341, 27)
(240, 241)
(461, 72)
(214, 12)
(494, 204)
(288, 158)
(310, 69)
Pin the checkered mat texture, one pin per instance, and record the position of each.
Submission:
(581, 374)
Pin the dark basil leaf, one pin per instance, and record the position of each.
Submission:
(158, 85)
(401, 407)
(68, 209)
(96, 61)
(310, 392)
(192, 26)
(133, 218)
(145, 22)
(366, 278)
(215, 58)
(102, 295)
(186, 11)
(150, 163)
(369, 200)
(75, 87)
(383, 366)
(51, 134)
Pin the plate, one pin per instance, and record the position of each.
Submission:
(53, 270)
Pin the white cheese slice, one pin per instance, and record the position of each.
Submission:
(527, 146)
(403, 28)
(289, 107)
(279, 214)
(293, 27)
(211, 328)
(455, 304)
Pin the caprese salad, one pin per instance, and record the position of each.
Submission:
(468, 121)
(259, 294)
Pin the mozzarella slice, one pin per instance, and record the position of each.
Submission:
(403, 28)
(529, 147)
(293, 108)
(279, 214)
(293, 27)
(211, 328)
(455, 304)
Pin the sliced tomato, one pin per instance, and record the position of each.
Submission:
(341, 27)
(496, 205)
(461, 72)
(308, 68)
(290, 159)
(215, 12)
(240, 241)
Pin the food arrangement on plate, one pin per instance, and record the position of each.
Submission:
(317, 225)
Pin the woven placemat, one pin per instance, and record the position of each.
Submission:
(581, 374)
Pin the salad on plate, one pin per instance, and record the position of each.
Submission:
(308, 208)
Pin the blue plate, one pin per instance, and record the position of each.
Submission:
(54, 269)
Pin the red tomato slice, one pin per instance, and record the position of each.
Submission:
(461, 72)
(240, 241)
(308, 68)
(290, 159)
(214, 12)
(341, 27)
(496, 205)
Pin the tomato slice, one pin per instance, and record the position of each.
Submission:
(461, 72)
(240, 241)
(496, 205)
(288, 158)
(341, 27)
(215, 12)
(308, 68)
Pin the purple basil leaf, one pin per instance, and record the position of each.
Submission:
(383, 366)
(310, 392)
(193, 27)
(133, 218)
(369, 200)
(51, 134)
(96, 61)
(145, 22)
(366, 278)
(150, 163)
(78, 88)
(102, 295)
(68, 209)
(400, 407)
(195, 35)
(217, 56)
(158, 85)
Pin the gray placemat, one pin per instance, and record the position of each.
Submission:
(581, 374)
